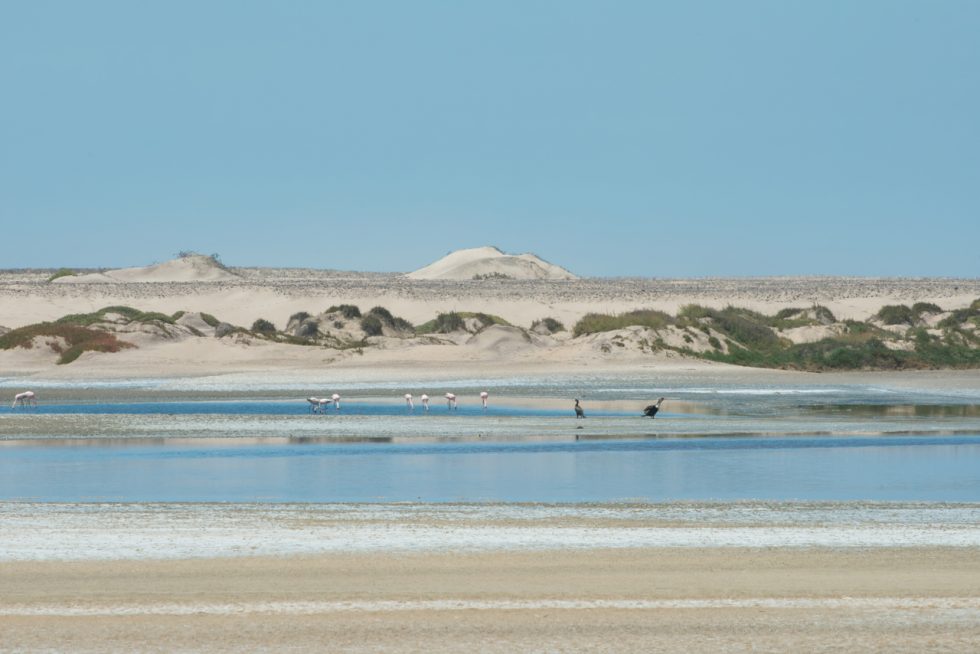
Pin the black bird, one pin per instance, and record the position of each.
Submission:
(651, 411)
(579, 411)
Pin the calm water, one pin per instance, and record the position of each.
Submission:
(847, 443)
(935, 469)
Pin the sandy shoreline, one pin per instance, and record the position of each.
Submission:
(703, 600)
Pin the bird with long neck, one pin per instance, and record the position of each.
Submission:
(579, 411)
(408, 401)
(314, 404)
(651, 411)
(425, 402)
(24, 399)
(336, 401)
(483, 398)
(451, 400)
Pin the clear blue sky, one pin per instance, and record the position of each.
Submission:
(613, 138)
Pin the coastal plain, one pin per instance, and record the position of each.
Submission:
(496, 577)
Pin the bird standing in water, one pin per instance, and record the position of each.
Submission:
(651, 411)
(579, 411)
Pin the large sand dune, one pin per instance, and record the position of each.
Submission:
(476, 263)
(192, 268)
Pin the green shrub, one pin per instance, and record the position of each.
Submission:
(210, 320)
(129, 313)
(300, 316)
(349, 311)
(61, 272)
(594, 323)
(178, 315)
(372, 325)
(550, 324)
(385, 317)
(263, 326)
(785, 314)
(449, 322)
(960, 316)
(925, 307)
(896, 314)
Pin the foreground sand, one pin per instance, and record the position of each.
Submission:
(700, 600)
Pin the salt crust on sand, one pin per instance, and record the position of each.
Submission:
(38, 532)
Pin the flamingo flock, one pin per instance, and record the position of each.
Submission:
(320, 404)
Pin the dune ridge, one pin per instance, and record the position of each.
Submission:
(490, 262)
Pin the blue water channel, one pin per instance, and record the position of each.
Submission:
(903, 468)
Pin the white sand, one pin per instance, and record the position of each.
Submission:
(489, 261)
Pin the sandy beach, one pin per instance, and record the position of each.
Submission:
(447, 596)
(891, 600)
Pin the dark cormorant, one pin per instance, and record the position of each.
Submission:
(651, 411)
(579, 411)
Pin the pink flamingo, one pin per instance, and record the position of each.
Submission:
(451, 400)
(408, 401)
(483, 398)
(336, 401)
(314, 404)
(425, 402)
(24, 399)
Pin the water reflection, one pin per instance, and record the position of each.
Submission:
(595, 470)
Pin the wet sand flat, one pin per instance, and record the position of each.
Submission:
(698, 600)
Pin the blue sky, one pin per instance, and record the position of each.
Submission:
(613, 138)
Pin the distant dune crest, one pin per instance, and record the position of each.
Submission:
(190, 268)
(489, 262)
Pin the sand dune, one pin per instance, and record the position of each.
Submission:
(476, 263)
(192, 268)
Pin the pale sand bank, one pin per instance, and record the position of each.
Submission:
(699, 600)
(162, 531)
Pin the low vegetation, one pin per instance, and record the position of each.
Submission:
(551, 325)
(491, 276)
(349, 311)
(593, 323)
(67, 339)
(454, 321)
(61, 272)
(926, 336)
(129, 314)
(263, 326)
(754, 339)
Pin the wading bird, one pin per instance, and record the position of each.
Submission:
(451, 400)
(483, 398)
(408, 401)
(579, 411)
(651, 411)
(24, 399)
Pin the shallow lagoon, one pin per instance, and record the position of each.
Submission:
(719, 442)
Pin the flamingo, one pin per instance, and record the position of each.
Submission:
(336, 401)
(408, 401)
(579, 411)
(651, 411)
(451, 400)
(24, 399)
(314, 404)
(425, 402)
(483, 398)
